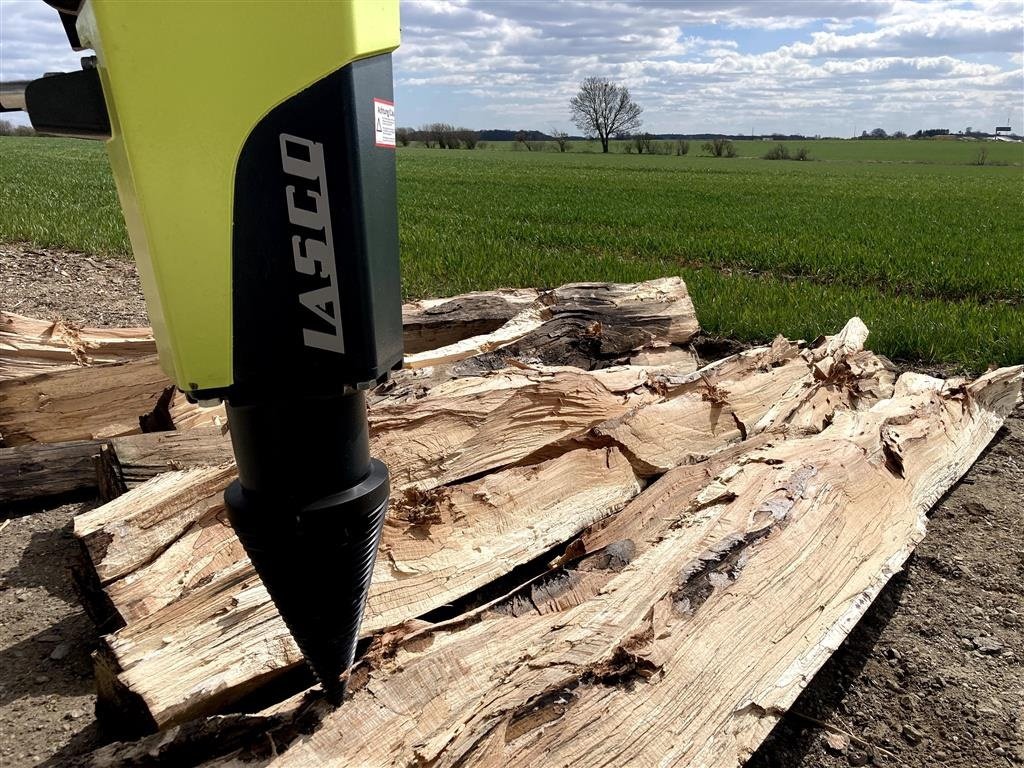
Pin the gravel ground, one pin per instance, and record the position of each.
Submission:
(931, 676)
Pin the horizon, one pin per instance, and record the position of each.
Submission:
(737, 67)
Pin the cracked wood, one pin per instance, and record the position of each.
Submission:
(791, 541)
(186, 613)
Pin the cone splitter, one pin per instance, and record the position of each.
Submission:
(253, 149)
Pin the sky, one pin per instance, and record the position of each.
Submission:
(828, 67)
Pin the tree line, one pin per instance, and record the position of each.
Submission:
(441, 135)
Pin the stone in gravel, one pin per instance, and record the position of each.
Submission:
(857, 757)
(42, 679)
(61, 651)
(912, 735)
(987, 644)
(837, 743)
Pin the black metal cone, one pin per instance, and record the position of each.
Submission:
(316, 562)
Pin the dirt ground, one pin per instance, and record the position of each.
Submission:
(932, 675)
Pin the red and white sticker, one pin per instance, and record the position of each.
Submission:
(384, 123)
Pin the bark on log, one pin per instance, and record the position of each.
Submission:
(29, 346)
(433, 323)
(579, 324)
(40, 471)
(507, 417)
(44, 470)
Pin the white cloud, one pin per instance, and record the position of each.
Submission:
(837, 62)
(817, 66)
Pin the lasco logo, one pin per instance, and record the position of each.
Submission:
(314, 256)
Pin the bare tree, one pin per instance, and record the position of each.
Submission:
(561, 139)
(426, 135)
(403, 136)
(445, 135)
(603, 108)
(468, 137)
(719, 148)
(642, 142)
(521, 139)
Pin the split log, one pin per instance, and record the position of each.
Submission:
(507, 417)
(29, 346)
(727, 399)
(39, 470)
(469, 426)
(740, 586)
(580, 323)
(224, 638)
(142, 457)
(588, 325)
(44, 470)
(83, 403)
(120, 534)
(433, 323)
(756, 582)
(464, 428)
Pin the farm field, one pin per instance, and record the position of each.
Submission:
(924, 246)
(949, 151)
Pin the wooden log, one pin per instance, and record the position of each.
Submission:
(46, 470)
(580, 323)
(224, 638)
(41, 471)
(463, 428)
(743, 395)
(80, 404)
(174, 622)
(121, 534)
(587, 325)
(469, 426)
(29, 346)
(433, 323)
(145, 456)
(740, 587)
(758, 580)
(397, 437)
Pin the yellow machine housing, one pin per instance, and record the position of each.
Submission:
(184, 84)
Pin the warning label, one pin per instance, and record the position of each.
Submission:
(384, 123)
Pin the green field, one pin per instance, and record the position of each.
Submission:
(948, 151)
(927, 248)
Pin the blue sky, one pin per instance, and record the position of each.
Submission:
(814, 66)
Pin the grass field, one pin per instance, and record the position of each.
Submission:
(927, 248)
(950, 151)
